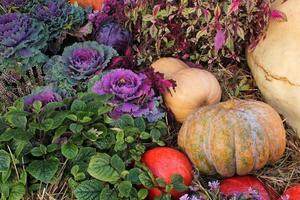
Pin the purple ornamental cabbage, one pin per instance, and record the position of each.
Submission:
(133, 93)
(59, 16)
(12, 3)
(78, 63)
(21, 41)
(115, 35)
(44, 94)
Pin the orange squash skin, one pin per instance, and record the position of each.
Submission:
(233, 137)
(95, 4)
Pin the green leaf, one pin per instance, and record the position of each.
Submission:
(133, 175)
(59, 132)
(7, 135)
(4, 191)
(19, 104)
(145, 135)
(140, 124)
(74, 170)
(43, 170)
(88, 190)
(146, 181)
(37, 106)
(52, 147)
(91, 135)
(155, 134)
(177, 182)
(161, 182)
(18, 121)
(78, 105)
(47, 124)
(103, 110)
(124, 188)
(85, 153)
(5, 176)
(117, 163)
(17, 192)
(36, 151)
(72, 117)
(125, 121)
(142, 193)
(4, 161)
(100, 168)
(85, 119)
(76, 128)
(23, 177)
(69, 150)
(107, 193)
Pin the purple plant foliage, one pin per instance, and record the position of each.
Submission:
(158, 81)
(12, 3)
(133, 93)
(44, 95)
(21, 41)
(115, 35)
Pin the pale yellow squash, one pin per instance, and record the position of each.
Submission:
(275, 63)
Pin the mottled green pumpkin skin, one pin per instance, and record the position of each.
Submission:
(233, 137)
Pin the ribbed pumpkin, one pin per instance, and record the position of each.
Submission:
(233, 137)
(95, 4)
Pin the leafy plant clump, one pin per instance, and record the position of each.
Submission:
(22, 42)
(75, 140)
(59, 16)
(77, 64)
(206, 32)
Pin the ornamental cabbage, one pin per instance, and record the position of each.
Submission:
(59, 16)
(78, 63)
(13, 3)
(22, 40)
(43, 94)
(115, 35)
(132, 92)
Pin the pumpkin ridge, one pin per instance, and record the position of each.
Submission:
(219, 114)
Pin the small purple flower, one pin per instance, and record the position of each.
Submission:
(133, 94)
(184, 197)
(44, 95)
(254, 194)
(193, 197)
(214, 185)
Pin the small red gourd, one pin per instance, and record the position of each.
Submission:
(95, 4)
(164, 162)
(241, 184)
(292, 193)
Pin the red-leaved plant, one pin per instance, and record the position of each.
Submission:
(208, 32)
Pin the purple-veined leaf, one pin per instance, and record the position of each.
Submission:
(219, 40)
(278, 15)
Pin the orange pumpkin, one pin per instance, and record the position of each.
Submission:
(95, 4)
(233, 137)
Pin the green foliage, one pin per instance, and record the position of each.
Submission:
(77, 142)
